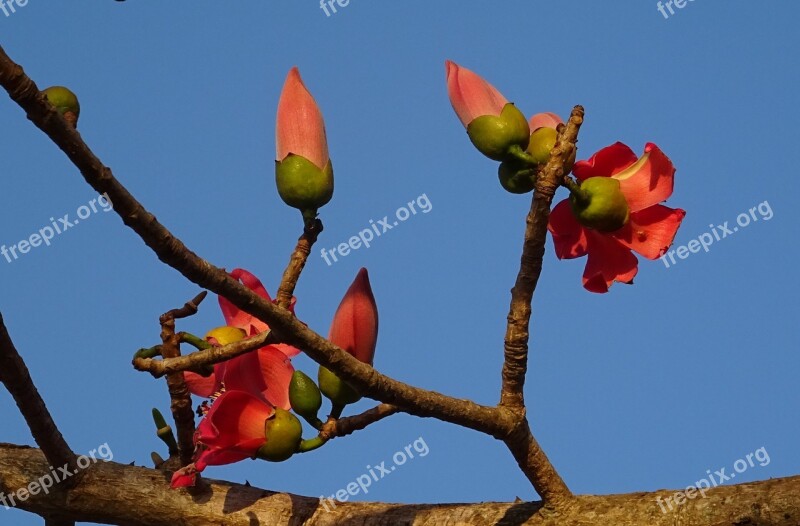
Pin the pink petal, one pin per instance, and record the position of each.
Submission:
(651, 231)
(300, 128)
(569, 236)
(649, 181)
(470, 95)
(184, 477)
(545, 120)
(355, 324)
(606, 162)
(609, 261)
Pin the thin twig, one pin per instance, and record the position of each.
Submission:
(196, 361)
(181, 405)
(297, 262)
(15, 376)
(346, 426)
(515, 366)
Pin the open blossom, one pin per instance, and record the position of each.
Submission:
(649, 231)
(233, 430)
(355, 324)
(300, 129)
(267, 370)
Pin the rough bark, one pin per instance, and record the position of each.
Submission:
(112, 493)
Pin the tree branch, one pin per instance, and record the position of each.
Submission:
(200, 359)
(498, 422)
(297, 262)
(515, 366)
(15, 376)
(147, 501)
(342, 427)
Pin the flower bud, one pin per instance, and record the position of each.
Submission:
(336, 389)
(66, 102)
(600, 204)
(283, 432)
(494, 135)
(541, 144)
(304, 395)
(516, 178)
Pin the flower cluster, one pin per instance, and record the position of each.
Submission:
(615, 209)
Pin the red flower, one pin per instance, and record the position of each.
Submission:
(355, 324)
(233, 430)
(267, 371)
(650, 231)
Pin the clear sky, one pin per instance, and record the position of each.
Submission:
(646, 387)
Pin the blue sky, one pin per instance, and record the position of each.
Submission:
(646, 387)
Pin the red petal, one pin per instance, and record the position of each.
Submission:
(235, 422)
(470, 95)
(606, 162)
(238, 318)
(544, 120)
(608, 262)
(300, 128)
(569, 236)
(649, 181)
(355, 324)
(266, 372)
(184, 477)
(651, 231)
(200, 385)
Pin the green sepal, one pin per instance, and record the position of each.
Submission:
(302, 184)
(493, 135)
(305, 397)
(600, 204)
(283, 432)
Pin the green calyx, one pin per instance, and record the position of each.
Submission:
(600, 204)
(302, 184)
(541, 144)
(305, 396)
(494, 135)
(336, 389)
(283, 432)
(65, 101)
(516, 177)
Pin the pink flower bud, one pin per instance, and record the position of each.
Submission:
(470, 95)
(300, 128)
(355, 324)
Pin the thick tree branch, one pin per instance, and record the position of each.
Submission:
(515, 366)
(146, 500)
(15, 376)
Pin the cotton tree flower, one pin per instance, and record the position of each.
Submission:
(240, 425)
(616, 211)
(493, 124)
(354, 329)
(303, 169)
(267, 370)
